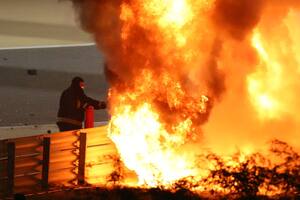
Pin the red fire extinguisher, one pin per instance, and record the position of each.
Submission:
(89, 117)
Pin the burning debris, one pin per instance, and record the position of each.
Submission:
(256, 175)
(236, 177)
(190, 75)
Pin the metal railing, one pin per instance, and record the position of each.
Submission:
(46, 162)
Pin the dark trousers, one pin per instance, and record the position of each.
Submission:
(67, 127)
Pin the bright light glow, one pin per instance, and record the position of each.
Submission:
(265, 84)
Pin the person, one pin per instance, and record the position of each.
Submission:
(72, 105)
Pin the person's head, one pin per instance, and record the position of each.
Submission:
(78, 82)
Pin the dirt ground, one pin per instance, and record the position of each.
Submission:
(118, 194)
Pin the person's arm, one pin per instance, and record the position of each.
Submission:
(96, 104)
(87, 101)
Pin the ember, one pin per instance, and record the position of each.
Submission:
(186, 76)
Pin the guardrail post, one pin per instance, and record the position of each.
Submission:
(11, 151)
(81, 165)
(89, 117)
(3, 154)
(46, 160)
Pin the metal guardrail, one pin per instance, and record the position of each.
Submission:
(39, 162)
(44, 163)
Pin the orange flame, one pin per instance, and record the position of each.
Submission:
(168, 64)
(156, 115)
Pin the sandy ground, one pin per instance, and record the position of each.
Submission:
(33, 99)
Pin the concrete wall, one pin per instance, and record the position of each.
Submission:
(38, 23)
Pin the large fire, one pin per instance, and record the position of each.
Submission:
(186, 76)
(158, 113)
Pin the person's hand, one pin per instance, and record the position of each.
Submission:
(102, 105)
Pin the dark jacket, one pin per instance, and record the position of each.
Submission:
(73, 103)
